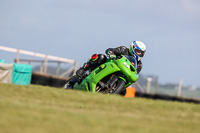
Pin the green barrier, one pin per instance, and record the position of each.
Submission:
(2, 61)
(22, 74)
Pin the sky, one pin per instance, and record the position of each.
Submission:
(79, 28)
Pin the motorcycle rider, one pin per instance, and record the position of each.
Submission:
(137, 50)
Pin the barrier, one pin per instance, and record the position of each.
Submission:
(130, 92)
(15, 73)
(47, 80)
(167, 97)
(6, 72)
(2, 61)
(22, 74)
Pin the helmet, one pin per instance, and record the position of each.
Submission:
(137, 49)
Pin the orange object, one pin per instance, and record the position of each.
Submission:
(130, 92)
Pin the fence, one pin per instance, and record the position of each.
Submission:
(44, 63)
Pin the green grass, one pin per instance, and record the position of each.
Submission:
(39, 109)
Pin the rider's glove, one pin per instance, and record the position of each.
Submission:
(111, 55)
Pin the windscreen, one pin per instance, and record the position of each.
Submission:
(132, 60)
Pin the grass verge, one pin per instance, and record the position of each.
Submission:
(40, 109)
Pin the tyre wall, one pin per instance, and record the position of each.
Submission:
(47, 80)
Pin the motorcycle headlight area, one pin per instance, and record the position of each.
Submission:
(126, 65)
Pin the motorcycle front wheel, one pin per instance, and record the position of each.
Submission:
(116, 87)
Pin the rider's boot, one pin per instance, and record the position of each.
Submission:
(80, 75)
(71, 82)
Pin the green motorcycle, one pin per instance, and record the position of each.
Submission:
(110, 77)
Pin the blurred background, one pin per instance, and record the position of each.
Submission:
(79, 28)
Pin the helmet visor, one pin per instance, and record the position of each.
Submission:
(140, 53)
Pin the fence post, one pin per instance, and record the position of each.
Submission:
(42, 67)
(180, 87)
(148, 84)
(18, 56)
(58, 69)
(45, 64)
(75, 67)
(157, 85)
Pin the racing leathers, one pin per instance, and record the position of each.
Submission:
(122, 50)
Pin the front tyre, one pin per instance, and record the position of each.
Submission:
(118, 86)
(112, 88)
